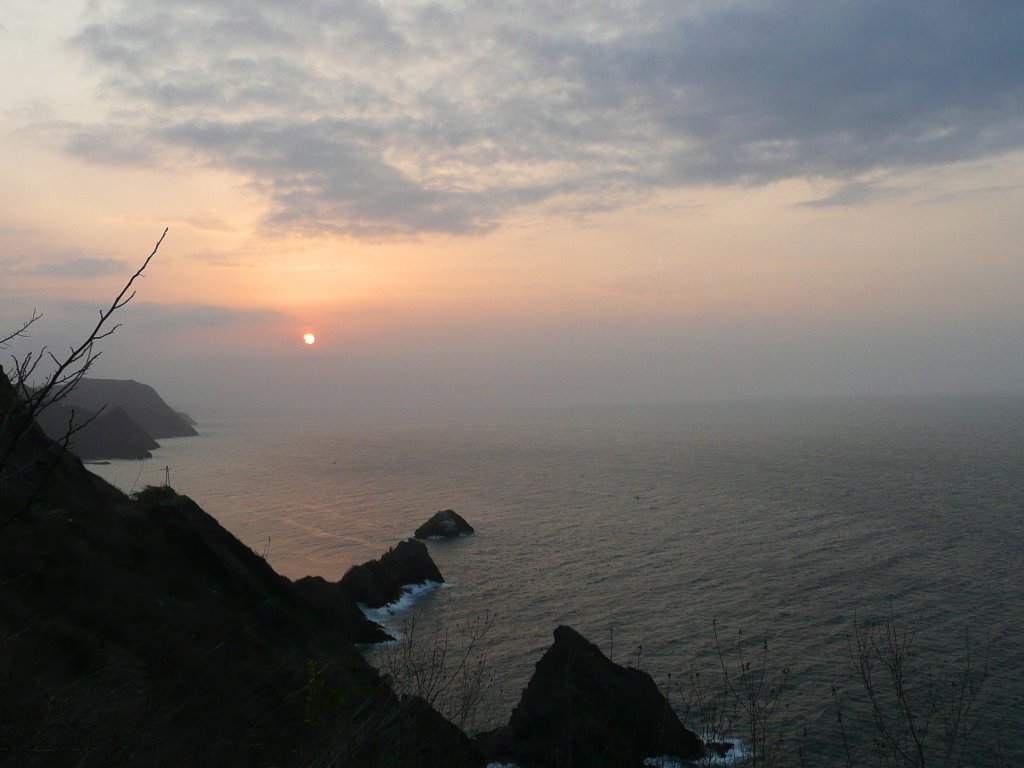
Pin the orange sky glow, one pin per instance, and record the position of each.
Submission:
(512, 241)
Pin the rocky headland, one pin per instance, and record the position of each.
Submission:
(140, 401)
(114, 419)
(374, 584)
(139, 632)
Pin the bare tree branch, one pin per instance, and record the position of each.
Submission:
(20, 332)
(18, 413)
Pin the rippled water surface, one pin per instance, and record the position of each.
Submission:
(643, 526)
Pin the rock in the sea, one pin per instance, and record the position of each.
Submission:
(375, 583)
(582, 710)
(379, 582)
(445, 524)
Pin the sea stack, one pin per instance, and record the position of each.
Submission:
(581, 709)
(378, 582)
(445, 524)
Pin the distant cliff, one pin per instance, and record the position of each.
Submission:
(112, 434)
(132, 419)
(139, 401)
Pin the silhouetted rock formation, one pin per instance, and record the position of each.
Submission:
(378, 582)
(140, 401)
(131, 417)
(35, 469)
(582, 710)
(142, 633)
(113, 434)
(375, 583)
(439, 741)
(445, 524)
(338, 606)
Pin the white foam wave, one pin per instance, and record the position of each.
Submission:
(461, 535)
(734, 756)
(409, 594)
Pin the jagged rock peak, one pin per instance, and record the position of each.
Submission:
(376, 583)
(581, 709)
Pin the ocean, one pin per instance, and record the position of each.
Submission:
(651, 529)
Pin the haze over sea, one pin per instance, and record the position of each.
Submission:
(790, 518)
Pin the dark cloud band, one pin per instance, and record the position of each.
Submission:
(380, 119)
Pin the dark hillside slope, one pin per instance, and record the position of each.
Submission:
(145, 634)
(141, 633)
(34, 469)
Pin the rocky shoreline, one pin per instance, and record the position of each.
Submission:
(138, 631)
(578, 709)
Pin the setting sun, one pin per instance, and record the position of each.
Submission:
(309, 338)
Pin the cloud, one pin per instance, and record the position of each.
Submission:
(204, 220)
(379, 118)
(775, 90)
(990, 191)
(68, 322)
(321, 178)
(75, 267)
(153, 316)
(852, 193)
(107, 144)
(224, 259)
(149, 316)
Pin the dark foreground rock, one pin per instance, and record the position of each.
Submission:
(379, 582)
(445, 524)
(145, 634)
(336, 604)
(35, 470)
(582, 710)
(141, 633)
(434, 740)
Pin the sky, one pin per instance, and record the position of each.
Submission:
(496, 204)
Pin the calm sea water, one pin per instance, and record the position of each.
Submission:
(647, 526)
